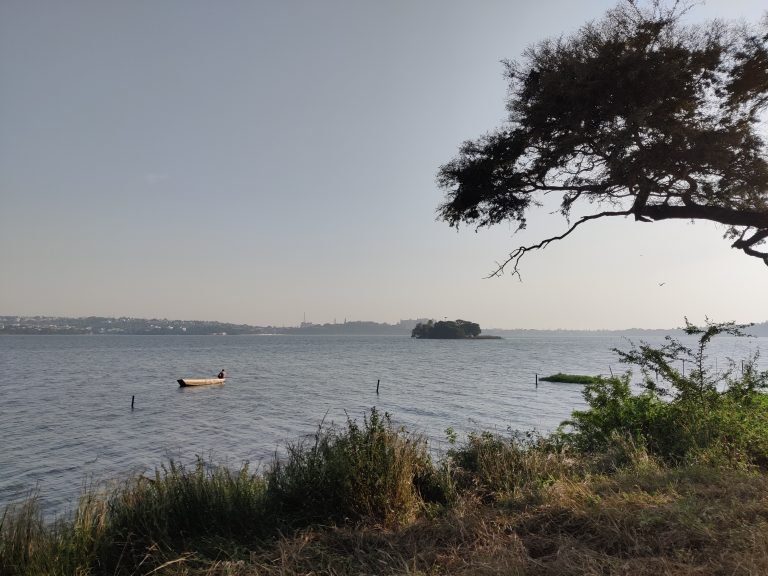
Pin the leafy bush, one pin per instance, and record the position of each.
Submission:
(614, 410)
(702, 416)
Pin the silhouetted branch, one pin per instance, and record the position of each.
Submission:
(518, 254)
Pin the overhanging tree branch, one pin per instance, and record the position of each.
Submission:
(516, 255)
(662, 120)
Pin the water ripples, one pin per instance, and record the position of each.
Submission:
(65, 415)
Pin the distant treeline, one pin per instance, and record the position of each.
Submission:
(141, 327)
(155, 326)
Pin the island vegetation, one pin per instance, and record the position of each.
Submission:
(447, 330)
(673, 479)
(571, 378)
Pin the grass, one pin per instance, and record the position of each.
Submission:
(507, 505)
(369, 472)
(644, 521)
(571, 378)
(374, 471)
(670, 481)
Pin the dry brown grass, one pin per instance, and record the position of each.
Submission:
(646, 521)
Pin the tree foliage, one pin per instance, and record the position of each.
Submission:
(637, 115)
(446, 330)
(701, 380)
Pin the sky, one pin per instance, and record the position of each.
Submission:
(263, 162)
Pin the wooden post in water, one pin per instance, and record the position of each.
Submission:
(132, 400)
(537, 380)
(377, 387)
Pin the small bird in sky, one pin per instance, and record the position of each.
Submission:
(662, 283)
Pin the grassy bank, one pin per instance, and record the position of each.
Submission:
(669, 481)
(494, 505)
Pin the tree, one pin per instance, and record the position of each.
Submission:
(470, 329)
(637, 115)
(422, 330)
(446, 330)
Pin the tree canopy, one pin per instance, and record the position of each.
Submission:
(637, 115)
(446, 330)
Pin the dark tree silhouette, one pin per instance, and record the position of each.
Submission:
(637, 115)
(470, 329)
(446, 330)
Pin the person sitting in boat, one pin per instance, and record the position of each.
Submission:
(222, 374)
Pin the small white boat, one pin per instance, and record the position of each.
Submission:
(199, 381)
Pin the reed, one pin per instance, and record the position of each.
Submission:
(29, 545)
(23, 535)
(373, 470)
(500, 467)
(209, 509)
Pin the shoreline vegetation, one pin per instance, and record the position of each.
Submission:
(672, 480)
(571, 378)
(54, 325)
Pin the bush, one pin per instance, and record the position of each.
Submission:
(702, 416)
(614, 410)
(498, 467)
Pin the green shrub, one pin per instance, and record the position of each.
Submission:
(703, 416)
(614, 410)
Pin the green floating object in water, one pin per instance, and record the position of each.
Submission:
(571, 378)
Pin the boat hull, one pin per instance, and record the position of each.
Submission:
(184, 382)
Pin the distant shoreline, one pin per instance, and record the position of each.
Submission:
(45, 325)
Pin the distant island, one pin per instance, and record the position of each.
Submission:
(449, 330)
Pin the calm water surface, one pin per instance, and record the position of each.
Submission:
(65, 401)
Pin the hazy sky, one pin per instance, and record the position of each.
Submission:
(253, 161)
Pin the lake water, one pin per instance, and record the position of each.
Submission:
(65, 401)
